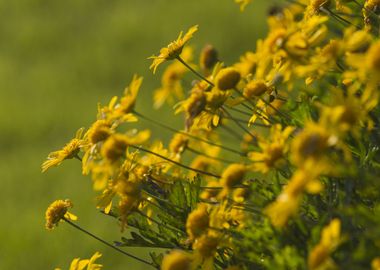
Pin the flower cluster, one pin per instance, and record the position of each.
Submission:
(276, 165)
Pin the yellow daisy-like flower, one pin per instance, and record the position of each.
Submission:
(78, 264)
(177, 260)
(330, 239)
(56, 212)
(70, 150)
(173, 50)
(272, 149)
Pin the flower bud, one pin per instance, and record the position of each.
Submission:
(227, 78)
(255, 88)
(208, 58)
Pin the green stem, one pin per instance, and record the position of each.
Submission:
(238, 124)
(175, 162)
(107, 244)
(189, 135)
(194, 71)
(208, 156)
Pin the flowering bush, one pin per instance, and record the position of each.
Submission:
(277, 165)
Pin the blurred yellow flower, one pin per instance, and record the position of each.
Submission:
(177, 260)
(273, 149)
(243, 3)
(319, 257)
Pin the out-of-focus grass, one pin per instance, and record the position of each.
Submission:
(58, 59)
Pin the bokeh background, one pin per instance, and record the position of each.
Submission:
(58, 59)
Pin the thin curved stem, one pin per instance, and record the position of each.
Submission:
(189, 135)
(175, 162)
(194, 71)
(208, 156)
(108, 244)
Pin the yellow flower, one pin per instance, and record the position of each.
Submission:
(178, 143)
(273, 149)
(375, 264)
(287, 203)
(348, 111)
(247, 64)
(285, 206)
(70, 150)
(171, 87)
(128, 101)
(173, 50)
(255, 88)
(121, 112)
(227, 78)
(330, 239)
(311, 144)
(233, 175)
(193, 105)
(208, 58)
(366, 65)
(115, 146)
(99, 131)
(314, 7)
(78, 264)
(243, 3)
(177, 260)
(57, 211)
(212, 190)
(197, 221)
(206, 245)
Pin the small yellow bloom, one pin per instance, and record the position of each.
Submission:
(208, 58)
(99, 131)
(197, 221)
(57, 211)
(233, 175)
(311, 144)
(177, 260)
(173, 50)
(171, 88)
(314, 7)
(375, 264)
(227, 78)
(247, 64)
(114, 147)
(285, 206)
(206, 245)
(243, 3)
(255, 88)
(78, 264)
(330, 239)
(70, 150)
(178, 143)
(273, 149)
(128, 101)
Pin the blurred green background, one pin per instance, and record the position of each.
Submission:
(58, 59)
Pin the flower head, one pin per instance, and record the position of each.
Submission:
(70, 150)
(78, 264)
(57, 211)
(177, 260)
(197, 221)
(173, 50)
(233, 175)
(330, 239)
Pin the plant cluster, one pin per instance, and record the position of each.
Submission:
(277, 164)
